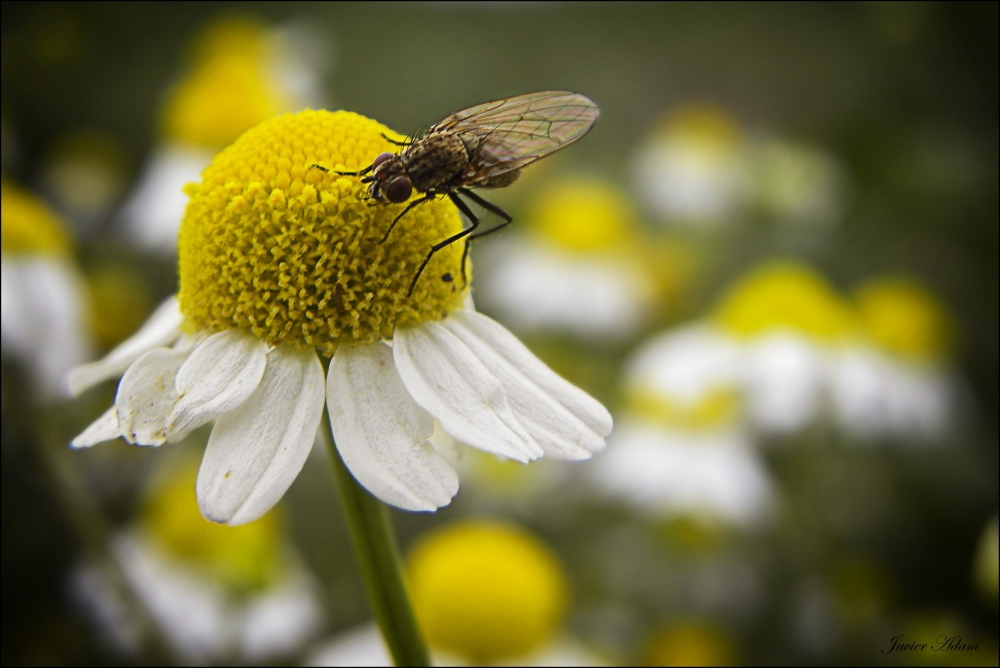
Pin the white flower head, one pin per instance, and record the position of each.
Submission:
(281, 263)
(580, 270)
(207, 604)
(242, 72)
(683, 448)
(43, 307)
(895, 381)
(694, 172)
(788, 323)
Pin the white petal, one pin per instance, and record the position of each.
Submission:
(566, 421)
(382, 433)
(159, 330)
(257, 450)
(104, 428)
(218, 377)
(447, 380)
(147, 394)
(152, 215)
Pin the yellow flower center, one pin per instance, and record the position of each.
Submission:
(784, 295)
(244, 558)
(485, 590)
(904, 318)
(703, 127)
(582, 215)
(28, 226)
(717, 407)
(220, 99)
(291, 253)
(229, 88)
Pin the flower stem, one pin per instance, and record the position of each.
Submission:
(378, 558)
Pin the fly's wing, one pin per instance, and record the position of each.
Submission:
(519, 130)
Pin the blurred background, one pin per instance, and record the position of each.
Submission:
(774, 258)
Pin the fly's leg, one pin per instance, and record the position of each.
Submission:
(429, 196)
(492, 208)
(393, 141)
(464, 208)
(360, 172)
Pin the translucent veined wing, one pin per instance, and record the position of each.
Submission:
(518, 130)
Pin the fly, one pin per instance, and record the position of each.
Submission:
(484, 146)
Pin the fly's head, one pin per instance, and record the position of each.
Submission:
(388, 181)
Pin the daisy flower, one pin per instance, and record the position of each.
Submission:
(693, 171)
(214, 591)
(513, 617)
(280, 267)
(789, 324)
(896, 379)
(682, 448)
(580, 272)
(242, 73)
(44, 300)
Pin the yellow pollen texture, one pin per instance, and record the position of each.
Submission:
(273, 245)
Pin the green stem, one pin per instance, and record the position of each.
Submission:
(378, 558)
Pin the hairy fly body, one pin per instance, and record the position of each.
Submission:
(480, 147)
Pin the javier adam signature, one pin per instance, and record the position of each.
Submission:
(944, 643)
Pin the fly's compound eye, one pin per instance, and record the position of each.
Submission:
(382, 157)
(398, 190)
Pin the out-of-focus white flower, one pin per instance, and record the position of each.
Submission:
(895, 380)
(681, 448)
(788, 323)
(580, 271)
(693, 170)
(242, 72)
(43, 296)
(797, 183)
(214, 592)
(485, 593)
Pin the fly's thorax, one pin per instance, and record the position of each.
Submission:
(435, 160)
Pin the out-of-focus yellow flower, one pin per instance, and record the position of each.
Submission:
(904, 318)
(214, 592)
(583, 215)
(896, 379)
(245, 558)
(487, 591)
(690, 643)
(784, 295)
(585, 270)
(29, 226)
(788, 322)
(44, 308)
(235, 81)
(693, 171)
